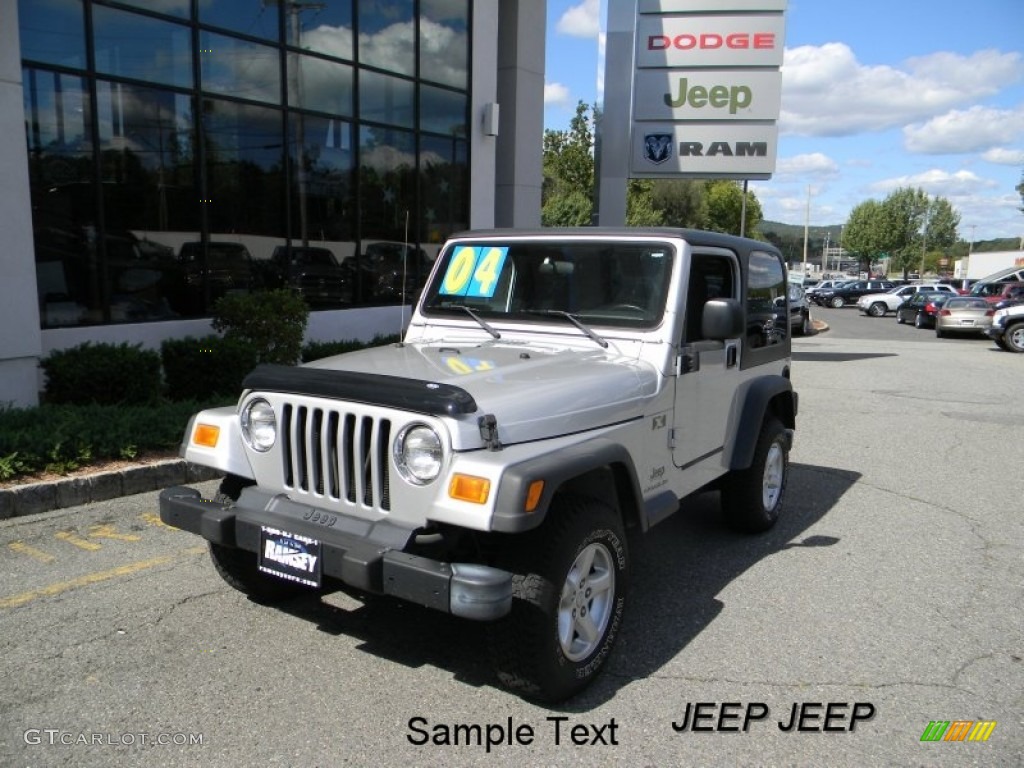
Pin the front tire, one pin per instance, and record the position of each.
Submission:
(1014, 338)
(569, 587)
(238, 567)
(837, 302)
(878, 309)
(752, 497)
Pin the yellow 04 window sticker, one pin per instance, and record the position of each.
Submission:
(473, 271)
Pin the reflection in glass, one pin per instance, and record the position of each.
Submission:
(322, 204)
(387, 173)
(320, 85)
(442, 111)
(386, 35)
(321, 27)
(52, 32)
(256, 18)
(444, 184)
(129, 45)
(237, 68)
(179, 8)
(244, 168)
(444, 41)
(64, 216)
(385, 99)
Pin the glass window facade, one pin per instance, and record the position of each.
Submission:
(183, 150)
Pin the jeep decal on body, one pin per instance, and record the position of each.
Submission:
(555, 392)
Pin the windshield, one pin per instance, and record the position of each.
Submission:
(598, 283)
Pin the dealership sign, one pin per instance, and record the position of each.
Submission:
(705, 151)
(706, 94)
(707, 89)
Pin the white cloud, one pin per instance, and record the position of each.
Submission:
(1001, 156)
(581, 20)
(827, 92)
(961, 131)
(557, 94)
(812, 164)
(938, 182)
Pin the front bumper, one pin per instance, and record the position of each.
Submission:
(361, 554)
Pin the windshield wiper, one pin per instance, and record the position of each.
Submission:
(483, 323)
(572, 319)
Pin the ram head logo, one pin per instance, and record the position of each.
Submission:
(657, 147)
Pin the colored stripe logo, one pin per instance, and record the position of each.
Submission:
(958, 730)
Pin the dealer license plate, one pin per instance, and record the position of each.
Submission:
(290, 556)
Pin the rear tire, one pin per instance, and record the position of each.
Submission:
(837, 302)
(919, 320)
(899, 318)
(569, 586)
(752, 497)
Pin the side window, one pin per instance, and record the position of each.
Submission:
(711, 277)
(767, 313)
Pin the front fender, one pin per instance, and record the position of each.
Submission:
(228, 453)
(556, 469)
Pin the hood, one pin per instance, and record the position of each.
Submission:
(533, 391)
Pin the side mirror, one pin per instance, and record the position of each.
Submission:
(722, 319)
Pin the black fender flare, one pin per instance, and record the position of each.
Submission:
(556, 469)
(749, 407)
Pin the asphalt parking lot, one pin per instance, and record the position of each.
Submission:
(886, 600)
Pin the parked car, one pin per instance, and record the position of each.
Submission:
(314, 272)
(963, 314)
(799, 311)
(850, 292)
(1007, 328)
(921, 308)
(224, 267)
(824, 285)
(1010, 293)
(392, 275)
(879, 304)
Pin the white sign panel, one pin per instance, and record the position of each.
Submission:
(703, 6)
(743, 150)
(710, 41)
(707, 94)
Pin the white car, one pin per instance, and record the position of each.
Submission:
(878, 304)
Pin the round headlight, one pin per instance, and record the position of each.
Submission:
(259, 425)
(418, 454)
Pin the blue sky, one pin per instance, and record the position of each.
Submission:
(875, 96)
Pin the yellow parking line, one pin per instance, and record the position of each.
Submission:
(109, 532)
(77, 541)
(36, 554)
(91, 578)
(154, 519)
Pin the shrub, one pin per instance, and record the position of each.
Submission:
(207, 367)
(106, 374)
(273, 322)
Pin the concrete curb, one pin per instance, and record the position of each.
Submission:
(34, 498)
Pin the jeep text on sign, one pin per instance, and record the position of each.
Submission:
(665, 94)
(694, 149)
(710, 41)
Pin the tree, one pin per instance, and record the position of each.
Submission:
(640, 208)
(567, 197)
(917, 223)
(1020, 191)
(865, 232)
(725, 205)
(682, 202)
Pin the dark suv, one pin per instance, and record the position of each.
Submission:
(850, 292)
(314, 272)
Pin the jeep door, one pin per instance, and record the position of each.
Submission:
(707, 371)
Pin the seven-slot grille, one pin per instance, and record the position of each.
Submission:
(339, 455)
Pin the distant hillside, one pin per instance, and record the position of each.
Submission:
(789, 238)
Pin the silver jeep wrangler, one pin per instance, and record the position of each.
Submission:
(554, 389)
